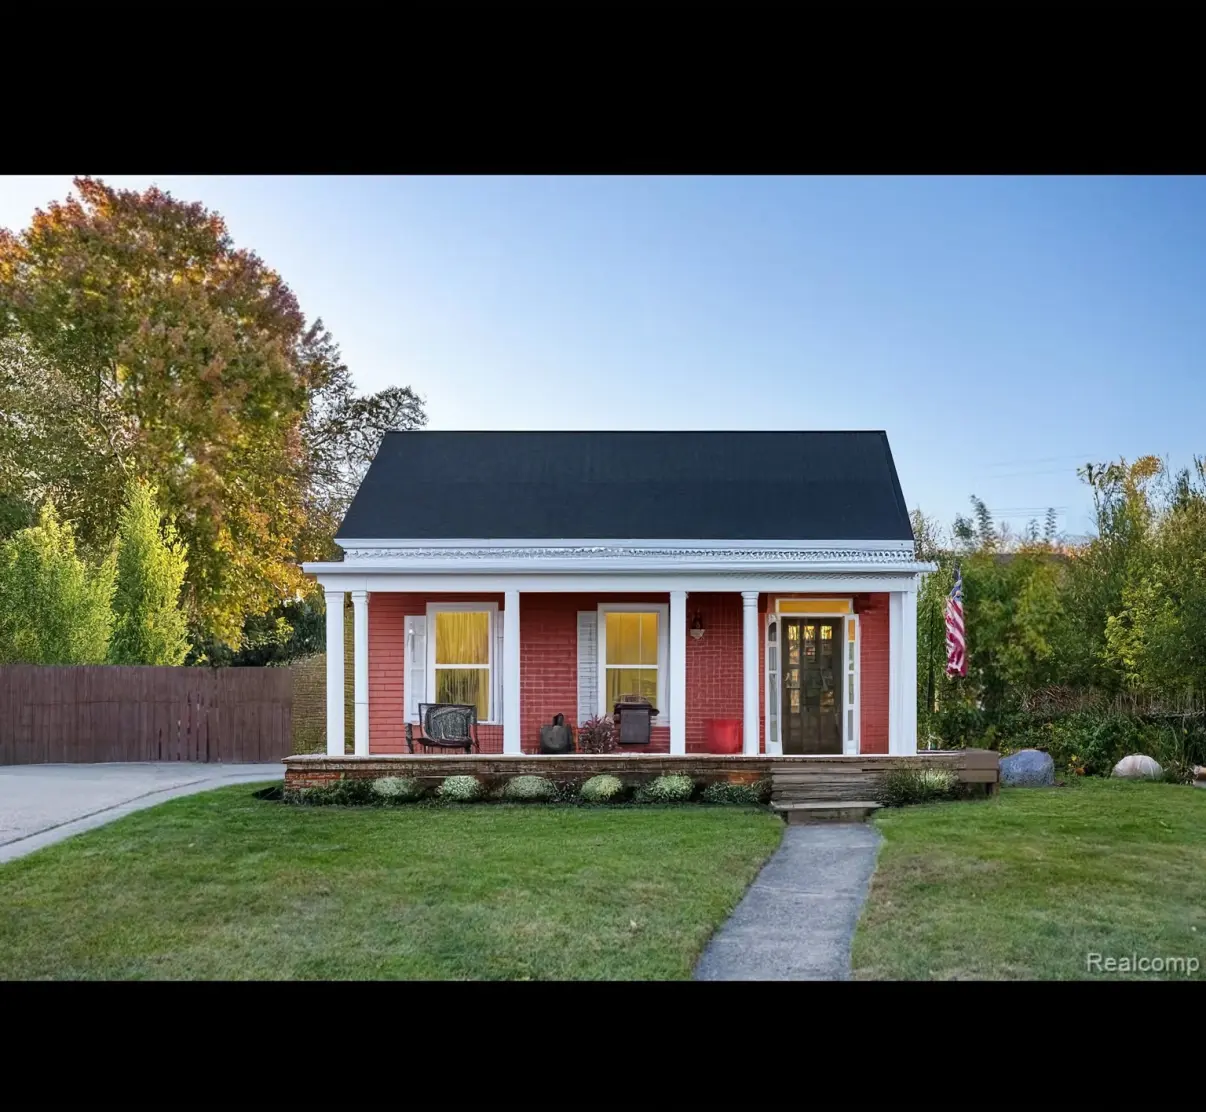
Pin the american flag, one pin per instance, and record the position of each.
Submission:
(956, 646)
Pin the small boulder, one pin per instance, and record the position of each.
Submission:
(1028, 768)
(1138, 767)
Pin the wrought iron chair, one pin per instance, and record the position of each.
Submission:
(444, 726)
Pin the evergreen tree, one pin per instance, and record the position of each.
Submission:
(150, 626)
(54, 607)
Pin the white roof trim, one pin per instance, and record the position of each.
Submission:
(358, 544)
(570, 557)
(473, 579)
(624, 556)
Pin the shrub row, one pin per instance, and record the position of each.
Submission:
(1092, 744)
(598, 790)
(1084, 742)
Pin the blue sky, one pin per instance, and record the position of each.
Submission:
(1003, 330)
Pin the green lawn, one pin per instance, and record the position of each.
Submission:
(1027, 885)
(222, 885)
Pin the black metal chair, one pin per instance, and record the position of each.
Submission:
(444, 726)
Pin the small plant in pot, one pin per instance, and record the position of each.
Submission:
(597, 735)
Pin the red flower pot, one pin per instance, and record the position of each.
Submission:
(722, 735)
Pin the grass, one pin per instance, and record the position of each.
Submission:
(225, 886)
(1029, 884)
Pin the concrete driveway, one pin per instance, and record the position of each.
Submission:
(43, 804)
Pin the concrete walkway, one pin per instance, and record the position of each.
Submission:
(43, 804)
(797, 920)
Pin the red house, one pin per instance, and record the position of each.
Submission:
(761, 578)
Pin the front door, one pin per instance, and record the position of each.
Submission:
(811, 713)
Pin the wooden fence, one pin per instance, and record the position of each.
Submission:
(111, 713)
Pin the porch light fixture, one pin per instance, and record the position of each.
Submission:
(697, 626)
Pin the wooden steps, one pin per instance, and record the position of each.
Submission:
(820, 790)
(821, 781)
(831, 811)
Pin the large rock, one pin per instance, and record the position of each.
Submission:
(1138, 767)
(1028, 768)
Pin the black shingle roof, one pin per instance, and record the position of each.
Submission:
(631, 485)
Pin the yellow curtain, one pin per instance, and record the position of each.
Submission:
(632, 638)
(462, 637)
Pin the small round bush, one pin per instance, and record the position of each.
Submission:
(676, 788)
(529, 789)
(460, 789)
(397, 789)
(602, 789)
(724, 791)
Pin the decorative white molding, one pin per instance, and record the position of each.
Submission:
(666, 543)
(469, 581)
(620, 553)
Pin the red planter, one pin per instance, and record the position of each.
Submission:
(722, 735)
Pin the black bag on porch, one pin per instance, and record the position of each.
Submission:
(557, 738)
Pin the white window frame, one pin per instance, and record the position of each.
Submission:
(662, 610)
(773, 740)
(490, 608)
(852, 652)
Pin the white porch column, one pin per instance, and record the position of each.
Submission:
(749, 672)
(678, 672)
(908, 672)
(335, 692)
(902, 672)
(895, 644)
(360, 730)
(512, 743)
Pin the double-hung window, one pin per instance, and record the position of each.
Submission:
(633, 654)
(461, 656)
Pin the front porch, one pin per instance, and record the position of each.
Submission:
(807, 649)
(796, 672)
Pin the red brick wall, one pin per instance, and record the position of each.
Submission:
(872, 613)
(548, 667)
(387, 669)
(548, 662)
(713, 663)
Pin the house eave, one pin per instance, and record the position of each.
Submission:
(623, 560)
(599, 567)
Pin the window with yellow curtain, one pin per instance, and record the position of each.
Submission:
(462, 659)
(631, 664)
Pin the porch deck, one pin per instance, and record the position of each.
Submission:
(812, 778)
